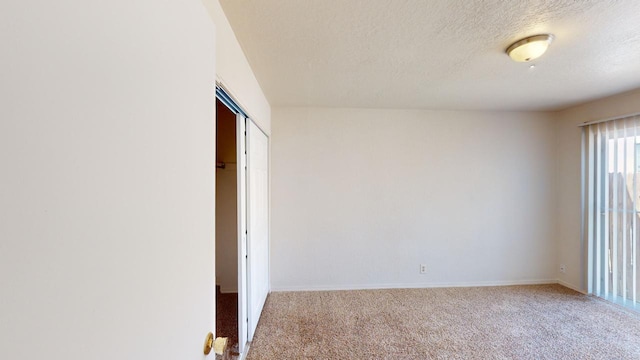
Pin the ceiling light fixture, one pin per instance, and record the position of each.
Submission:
(529, 48)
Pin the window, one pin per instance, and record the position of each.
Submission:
(612, 209)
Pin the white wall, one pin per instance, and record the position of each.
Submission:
(227, 229)
(360, 198)
(107, 179)
(568, 214)
(234, 72)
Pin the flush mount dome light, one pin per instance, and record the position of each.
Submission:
(529, 48)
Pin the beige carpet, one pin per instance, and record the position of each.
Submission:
(512, 322)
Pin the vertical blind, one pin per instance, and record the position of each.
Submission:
(612, 211)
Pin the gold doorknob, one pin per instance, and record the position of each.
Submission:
(208, 343)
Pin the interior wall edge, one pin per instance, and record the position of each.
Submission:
(572, 286)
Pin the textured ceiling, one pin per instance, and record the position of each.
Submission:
(439, 54)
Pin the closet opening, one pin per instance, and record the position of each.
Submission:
(226, 227)
(242, 224)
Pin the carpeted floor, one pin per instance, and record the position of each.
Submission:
(511, 322)
(227, 317)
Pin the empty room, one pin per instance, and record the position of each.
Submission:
(300, 179)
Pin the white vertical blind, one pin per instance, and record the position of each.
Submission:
(612, 208)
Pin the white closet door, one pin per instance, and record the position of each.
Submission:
(257, 221)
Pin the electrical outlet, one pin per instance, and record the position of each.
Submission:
(423, 269)
(563, 268)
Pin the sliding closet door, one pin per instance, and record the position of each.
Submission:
(257, 221)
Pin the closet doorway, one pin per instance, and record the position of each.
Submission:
(242, 223)
(226, 226)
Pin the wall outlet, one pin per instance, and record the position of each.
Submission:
(423, 269)
(563, 268)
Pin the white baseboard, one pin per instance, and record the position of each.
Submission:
(414, 285)
(571, 286)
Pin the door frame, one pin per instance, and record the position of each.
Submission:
(241, 159)
(243, 273)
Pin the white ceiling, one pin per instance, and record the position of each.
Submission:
(439, 54)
